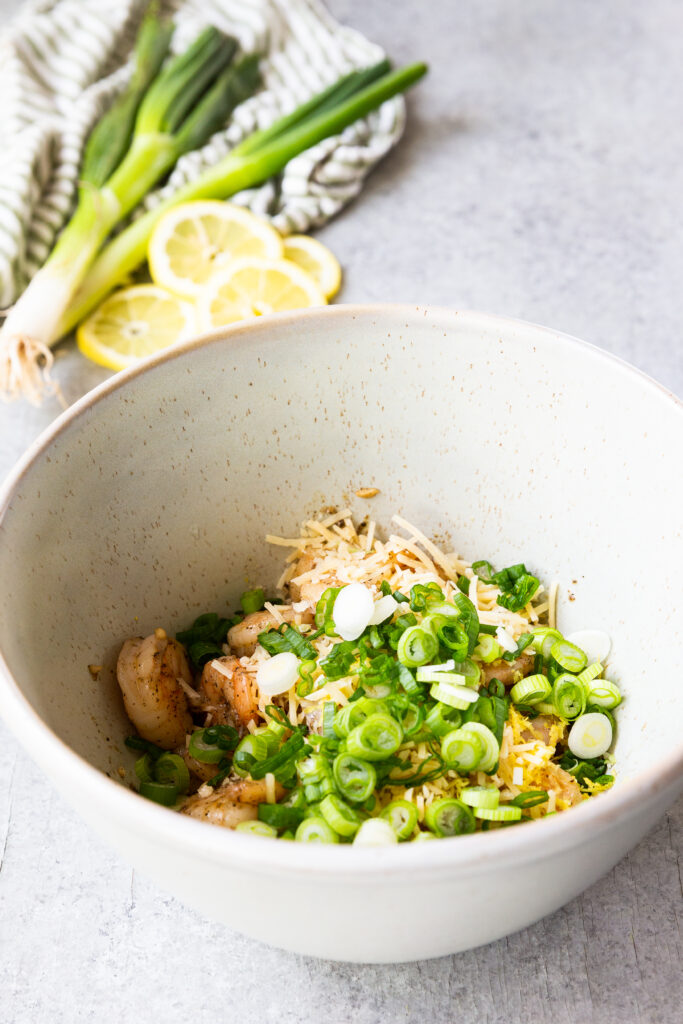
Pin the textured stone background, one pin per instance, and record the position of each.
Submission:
(540, 177)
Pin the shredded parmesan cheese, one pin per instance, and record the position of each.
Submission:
(275, 612)
(552, 604)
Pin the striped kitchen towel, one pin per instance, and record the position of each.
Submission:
(62, 61)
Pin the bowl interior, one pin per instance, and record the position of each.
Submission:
(150, 502)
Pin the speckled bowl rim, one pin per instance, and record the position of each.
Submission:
(472, 854)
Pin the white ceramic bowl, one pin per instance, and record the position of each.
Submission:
(147, 503)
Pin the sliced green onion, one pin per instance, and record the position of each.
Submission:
(164, 793)
(417, 646)
(569, 696)
(270, 736)
(590, 736)
(421, 836)
(355, 779)
(314, 768)
(323, 611)
(471, 672)
(257, 828)
(377, 691)
(592, 709)
(338, 662)
(424, 595)
(376, 738)
(352, 714)
(522, 591)
(546, 707)
(522, 643)
(449, 817)
(277, 728)
(315, 830)
(490, 743)
(463, 750)
(503, 813)
(568, 656)
(171, 769)
(402, 816)
(352, 611)
(469, 617)
(280, 815)
(144, 768)
(252, 600)
(137, 743)
(484, 570)
(439, 674)
(452, 633)
(375, 832)
(286, 638)
(328, 719)
(205, 638)
(590, 673)
(481, 796)
(211, 744)
(442, 719)
(295, 798)
(412, 719)
(407, 680)
(532, 798)
(339, 816)
(595, 642)
(604, 694)
(488, 649)
(543, 639)
(306, 684)
(250, 749)
(163, 779)
(459, 697)
(531, 690)
(385, 608)
(281, 764)
(278, 674)
(496, 688)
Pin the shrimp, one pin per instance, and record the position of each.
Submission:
(234, 802)
(539, 729)
(149, 670)
(565, 785)
(509, 672)
(308, 591)
(231, 693)
(243, 637)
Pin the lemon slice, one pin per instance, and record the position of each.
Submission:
(133, 323)
(193, 240)
(317, 260)
(254, 287)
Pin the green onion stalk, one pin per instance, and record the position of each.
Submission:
(259, 157)
(163, 113)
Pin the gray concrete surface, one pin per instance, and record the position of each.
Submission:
(540, 177)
